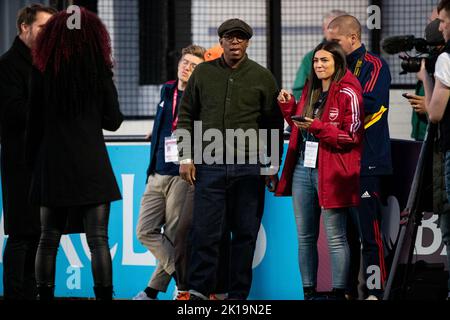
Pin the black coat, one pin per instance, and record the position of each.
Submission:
(68, 153)
(21, 219)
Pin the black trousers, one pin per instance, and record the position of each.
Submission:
(364, 231)
(19, 281)
(95, 221)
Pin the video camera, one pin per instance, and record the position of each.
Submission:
(411, 64)
(428, 49)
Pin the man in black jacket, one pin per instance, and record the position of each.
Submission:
(21, 219)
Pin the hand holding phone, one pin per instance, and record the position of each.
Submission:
(405, 95)
(298, 118)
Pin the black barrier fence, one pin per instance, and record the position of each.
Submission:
(147, 36)
(409, 278)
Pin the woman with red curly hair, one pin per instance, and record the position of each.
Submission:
(73, 98)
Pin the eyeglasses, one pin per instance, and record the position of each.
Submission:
(230, 38)
(186, 63)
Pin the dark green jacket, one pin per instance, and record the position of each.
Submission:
(419, 122)
(224, 98)
(302, 75)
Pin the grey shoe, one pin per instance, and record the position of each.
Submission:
(142, 296)
(194, 295)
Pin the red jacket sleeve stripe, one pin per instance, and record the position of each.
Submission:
(375, 72)
(356, 121)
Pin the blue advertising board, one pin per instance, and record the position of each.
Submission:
(276, 274)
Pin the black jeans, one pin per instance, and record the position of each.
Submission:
(225, 195)
(95, 221)
(19, 280)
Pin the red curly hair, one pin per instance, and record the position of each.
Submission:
(57, 43)
(73, 62)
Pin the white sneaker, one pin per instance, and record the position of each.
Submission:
(142, 296)
(371, 297)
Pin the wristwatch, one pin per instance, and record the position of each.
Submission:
(186, 161)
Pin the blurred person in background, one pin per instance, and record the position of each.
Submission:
(167, 198)
(304, 69)
(21, 218)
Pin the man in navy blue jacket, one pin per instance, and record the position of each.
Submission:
(166, 196)
(375, 78)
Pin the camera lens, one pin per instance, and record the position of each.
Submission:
(411, 65)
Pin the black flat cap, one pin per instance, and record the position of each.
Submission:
(235, 25)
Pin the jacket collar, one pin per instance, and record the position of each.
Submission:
(172, 83)
(22, 49)
(355, 55)
(226, 66)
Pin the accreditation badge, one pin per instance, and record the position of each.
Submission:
(171, 149)
(311, 151)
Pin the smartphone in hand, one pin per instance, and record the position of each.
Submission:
(405, 95)
(298, 118)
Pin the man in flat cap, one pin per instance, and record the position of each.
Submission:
(231, 93)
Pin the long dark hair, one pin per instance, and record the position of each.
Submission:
(315, 84)
(73, 60)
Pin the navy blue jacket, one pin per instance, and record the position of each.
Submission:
(166, 101)
(375, 79)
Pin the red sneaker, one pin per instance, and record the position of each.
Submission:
(218, 296)
(183, 295)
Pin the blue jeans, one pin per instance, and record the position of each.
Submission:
(227, 198)
(307, 215)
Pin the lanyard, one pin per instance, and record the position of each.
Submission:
(359, 63)
(174, 110)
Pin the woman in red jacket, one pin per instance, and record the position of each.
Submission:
(322, 166)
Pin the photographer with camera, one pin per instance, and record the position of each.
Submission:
(419, 117)
(436, 104)
(431, 46)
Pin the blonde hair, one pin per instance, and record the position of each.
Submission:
(346, 25)
(194, 50)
